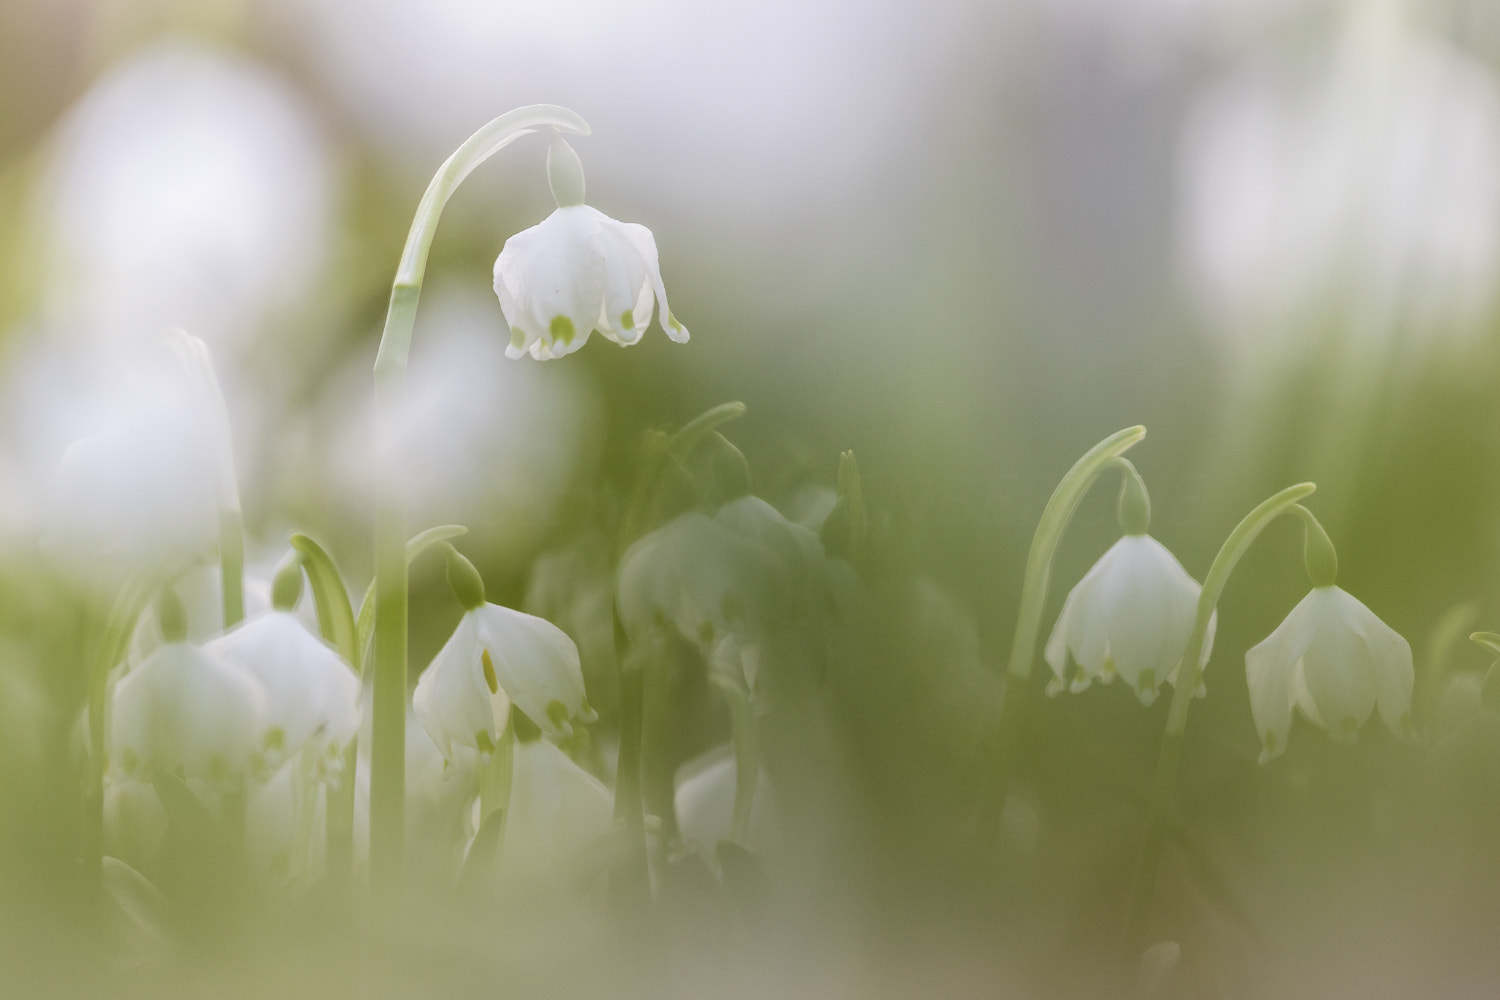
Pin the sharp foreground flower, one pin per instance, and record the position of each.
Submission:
(495, 658)
(578, 271)
(1132, 615)
(1336, 662)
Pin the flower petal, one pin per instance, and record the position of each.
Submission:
(536, 665)
(645, 244)
(453, 700)
(1269, 667)
(550, 281)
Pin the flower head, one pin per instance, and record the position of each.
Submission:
(739, 572)
(497, 658)
(557, 811)
(312, 695)
(575, 272)
(186, 710)
(1132, 615)
(1336, 662)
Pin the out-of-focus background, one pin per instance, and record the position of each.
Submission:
(963, 238)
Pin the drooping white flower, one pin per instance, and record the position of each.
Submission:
(705, 807)
(1335, 662)
(312, 695)
(497, 657)
(476, 441)
(556, 810)
(575, 272)
(189, 186)
(1131, 615)
(146, 486)
(737, 573)
(188, 711)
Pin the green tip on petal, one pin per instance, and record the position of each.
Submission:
(518, 338)
(1145, 686)
(562, 330)
(627, 319)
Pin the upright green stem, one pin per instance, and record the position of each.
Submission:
(388, 737)
(746, 750)
(1189, 675)
(630, 883)
(232, 565)
(496, 776)
(127, 608)
(1049, 532)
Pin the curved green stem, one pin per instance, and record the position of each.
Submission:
(1049, 532)
(1189, 675)
(388, 737)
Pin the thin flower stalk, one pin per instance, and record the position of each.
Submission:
(1191, 674)
(1056, 516)
(388, 739)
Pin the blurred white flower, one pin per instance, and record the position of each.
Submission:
(824, 77)
(741, 571)
(312, 695)
(556, 811)
(497, 657)
(439, 793)
(187, 711)
(1364, 185)
(1131, 615)
(575, 272)
(1334, 661)
(189, 186)
(482, 442)
(705, 807)
(147, 487)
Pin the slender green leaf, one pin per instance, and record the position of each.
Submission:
(335, 615)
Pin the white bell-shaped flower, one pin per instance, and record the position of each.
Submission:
(188, 711)
(495, 658)
(147, 486)
(1336, 662)
(705, 807)
(556, 811)
(575, 272)
(312, 695)
(739, 572)
(578, 271)
(1131, 615)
